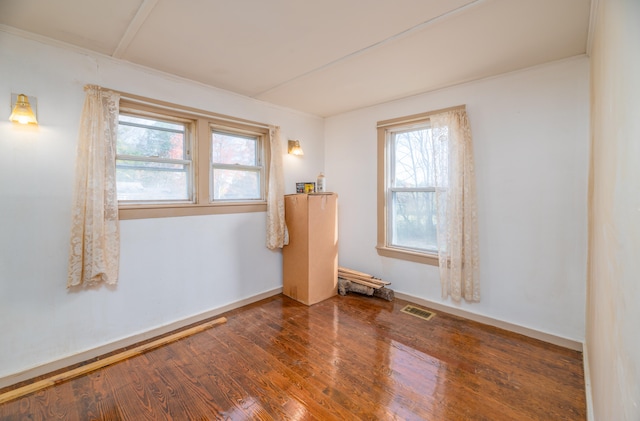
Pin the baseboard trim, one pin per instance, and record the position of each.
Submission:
(82, 356)
(532, 333)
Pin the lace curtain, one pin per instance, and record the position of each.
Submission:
(277, 234)
(95, 236)
(457, 219)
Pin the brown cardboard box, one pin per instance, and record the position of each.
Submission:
(311, 259)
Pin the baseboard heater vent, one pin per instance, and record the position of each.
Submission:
(418, 312)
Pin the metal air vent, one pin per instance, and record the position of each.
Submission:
(418, 312)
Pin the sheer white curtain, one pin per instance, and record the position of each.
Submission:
(457, 218)
(277, 234)
(95, 236)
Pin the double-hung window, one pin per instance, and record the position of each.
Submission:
(407, 206)
(175, 162)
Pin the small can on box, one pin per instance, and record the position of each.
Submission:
(306, 187)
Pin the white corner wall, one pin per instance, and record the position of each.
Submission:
(530, 132)
(171, 268)
(613, 309)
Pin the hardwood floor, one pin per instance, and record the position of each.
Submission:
(346, 358)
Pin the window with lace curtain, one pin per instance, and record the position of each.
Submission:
(407, 206)
(139, 161)
(172, 162)
(427, 207)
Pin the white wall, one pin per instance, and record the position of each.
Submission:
(171, 268)
(613, 321)
(530, 132)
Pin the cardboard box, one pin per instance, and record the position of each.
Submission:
(310, 261)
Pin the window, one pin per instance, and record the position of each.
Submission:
(173, 162)
(406, 191)
(153, 160)
(236, 166)
(411, 191)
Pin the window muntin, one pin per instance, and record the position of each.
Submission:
(237, 172)
(153, 159)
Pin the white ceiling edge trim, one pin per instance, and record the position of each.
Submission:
(377, 45)
(170, 76)
(134, 26)
(593, 20)
(462, 83)
(46, 40)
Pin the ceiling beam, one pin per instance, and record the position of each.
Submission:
(134, 26)
(378, 44)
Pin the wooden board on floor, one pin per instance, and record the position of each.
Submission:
(67, 375)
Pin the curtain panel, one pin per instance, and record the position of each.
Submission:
(277, 234)
(95, 236)
(457, 216)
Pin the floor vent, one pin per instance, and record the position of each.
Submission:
(418, 312)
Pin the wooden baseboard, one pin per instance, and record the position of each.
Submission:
(532, 333)
(90, 354)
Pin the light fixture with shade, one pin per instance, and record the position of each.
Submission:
(22, 112)
(295, 148)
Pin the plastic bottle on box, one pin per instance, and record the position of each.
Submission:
(320, 184)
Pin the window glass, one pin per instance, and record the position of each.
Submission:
(410, 187)
(235, 184)
(233, 149)
(150, 181)
(145, 137)
(237, 172)
(152, 160)
(411, 158)
(413, 220)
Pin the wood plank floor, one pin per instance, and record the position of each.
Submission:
(347, 358)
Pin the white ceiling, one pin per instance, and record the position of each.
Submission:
(323, 57)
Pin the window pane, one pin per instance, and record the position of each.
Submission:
(413, 220)
(413, 158)
(138, 181)
(146, 137)
(235, 184)
(233, 149)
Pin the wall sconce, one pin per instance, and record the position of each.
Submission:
(22, 112)
(294, 148)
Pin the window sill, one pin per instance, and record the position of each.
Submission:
(167, 211)
(412, 256)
